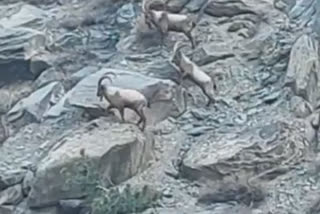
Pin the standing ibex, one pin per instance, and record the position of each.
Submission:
(121, 98)
(165, 21)
(193, 72)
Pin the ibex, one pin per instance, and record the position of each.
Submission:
(165, 21)
(193, 72)
(121, 98)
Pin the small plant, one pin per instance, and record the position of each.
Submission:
(102, 200)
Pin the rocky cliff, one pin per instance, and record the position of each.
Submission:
(257, 152)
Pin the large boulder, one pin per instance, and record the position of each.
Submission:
(24, 15)
(275, 148)
(11, 177)
(303, 69)
(32, 108)
(16, 31)
(11, 196)
(116, 152)
(83, 95)
(228, 8)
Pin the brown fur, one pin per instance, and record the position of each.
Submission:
(165, 21)
(189, 70)
(120, 102)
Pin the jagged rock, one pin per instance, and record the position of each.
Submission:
(176, 5)
(23, 208)
(125, 14)
(119, 151)
(211, 53)
(226, 191)
(302, 73)
(300, 107)
(215, 160)
(302, 12)
(24, 16)
(70, 206)
(7, 209)
(11, 196)
(32, 108)
(316, 24)
(27, 182)
(195, 5)
(13, 64)
(49, 75)
(78, 76)
(284, 5)
(11, 178)
(228, 8)
(15, 34)
(83, 95)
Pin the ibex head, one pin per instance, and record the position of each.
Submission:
(101, 88)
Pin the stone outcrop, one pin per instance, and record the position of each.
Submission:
(303, 69)
(271, 146)
(17, 29)
(83, 95)
(32, 108)
(119, 151)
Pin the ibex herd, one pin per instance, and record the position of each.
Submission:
(164, 22)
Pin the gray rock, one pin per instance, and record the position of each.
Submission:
(11, 177)
(23, 208)
(176, 5)
(78, 76)
(70, 206)
(11, 196)
(228, 8)
(15, 33)
(32, 108)
(83, 95)
(13, 64)
(300, 107)
(119, 151)
(49, 75)
(316, 24)
(27, 183)
(302, 73)
(211, 53)
(284, 5)
(214, 160)
(24, 16)
(195, 5)
(125, 14)
(7, 209)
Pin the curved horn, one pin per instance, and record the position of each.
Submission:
(110, 72)
(99, 90)
(102, 78)
(177, 46)
(144, 6)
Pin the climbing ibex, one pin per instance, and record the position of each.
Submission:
(165, 21)
(193, 72)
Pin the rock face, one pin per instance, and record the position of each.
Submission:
(227, 8)
(11, 196)
(119, 151)
(34, 106)
(15, 34)
(83, 95)
(53, 53)
(303, 69)
(271, 146)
